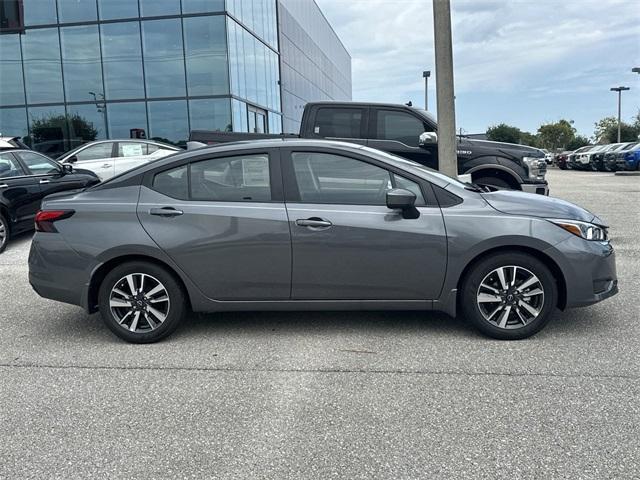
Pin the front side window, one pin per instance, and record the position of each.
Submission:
(38, 164)
(334, 179)
(399, 126)
(338, 122)
(9, 167)
(94, 152)
(232, 179)
(401, 182)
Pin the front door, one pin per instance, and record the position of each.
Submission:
(346, 243)
(224, 223)
(398, 132)
(19, 192)
(99, 158)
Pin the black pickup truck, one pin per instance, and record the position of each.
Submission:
(411, 133)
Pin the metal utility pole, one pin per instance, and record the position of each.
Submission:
(101, 107)
(635, 69)
(619, 90)
(447, 142)
(426, 74)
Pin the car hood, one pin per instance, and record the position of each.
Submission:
(523, 150)
(532, 205)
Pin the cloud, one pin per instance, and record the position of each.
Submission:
(522, 50)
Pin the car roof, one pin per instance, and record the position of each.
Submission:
(113, 140)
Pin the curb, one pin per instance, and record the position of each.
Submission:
(628, 174)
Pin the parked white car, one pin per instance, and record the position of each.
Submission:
(107, 158)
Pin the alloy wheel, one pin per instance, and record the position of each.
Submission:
(139, 302)
(3, 232)
(510, 297)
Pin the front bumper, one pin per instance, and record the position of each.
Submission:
(539, 188)
(589, 270)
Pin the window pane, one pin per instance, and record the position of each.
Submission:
(39, 12)
(338, 122)
(81, 63)
(11, 81)
(212, 114)
(132, 149)
(110, 9)
(326, 178)
(239, 116)
(206, 55)
(126, 116)
(172, 183)
(122, 60)
(9, 167)
(86, 123)
(411, 186)
(48, 130)
(13, 122)
(199, 6)
(100, 150)
(163, 58)
(399, 126)
(233, 179)
(38, 164)
(150, 8)
(77, 11)
(43, 74)
(168, 121)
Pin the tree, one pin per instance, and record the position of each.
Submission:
(606, 130)
(527, 138)
(577, 142)
(603, 128)
(503, 133)
(557, 135)
(60, 127)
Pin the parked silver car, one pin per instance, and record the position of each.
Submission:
(107, 158)
(314, 225)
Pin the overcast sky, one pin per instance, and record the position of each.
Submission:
(523, 62)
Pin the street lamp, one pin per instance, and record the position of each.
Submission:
(101, 106)
(426, 74)
(619, 90)
(635, 69)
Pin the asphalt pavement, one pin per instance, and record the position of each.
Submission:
(348, 395)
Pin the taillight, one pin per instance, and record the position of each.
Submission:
(46, 218)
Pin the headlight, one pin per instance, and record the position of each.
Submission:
(536, 167)
(585, 230)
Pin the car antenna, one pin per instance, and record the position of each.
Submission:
(409, 103)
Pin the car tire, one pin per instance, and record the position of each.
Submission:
(138, 312)
(527, 311)
(5, 233)
(498, 183)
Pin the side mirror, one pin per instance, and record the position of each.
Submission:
(72, 159)
(400, 199)
(66, 168)
(428, 138)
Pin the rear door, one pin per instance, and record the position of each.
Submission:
(346, 243)
(222, 219)
(398, 132)
(99, 158)
(19, 192)
(341, 123)
(48, 174)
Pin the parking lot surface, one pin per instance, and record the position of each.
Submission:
(328, 395)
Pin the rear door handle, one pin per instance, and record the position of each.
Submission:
(314, 222)
(165, 212)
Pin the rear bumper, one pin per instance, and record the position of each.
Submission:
(539, 188)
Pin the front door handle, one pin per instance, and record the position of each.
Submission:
(4, 185)
(165, 212)
(314, 222)
(106, 165)
(45, 181)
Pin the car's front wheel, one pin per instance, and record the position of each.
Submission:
(141, 302)
(4, 233)
(509, 296)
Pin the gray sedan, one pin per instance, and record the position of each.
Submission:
(314, 225)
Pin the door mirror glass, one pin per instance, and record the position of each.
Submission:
(428, 138)
(400, 199)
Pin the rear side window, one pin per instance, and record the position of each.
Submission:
(232, 179)
(132, 149)
(9, 167)
(399, 126)
(339, 122)
(173, 183)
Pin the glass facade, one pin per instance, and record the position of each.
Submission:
(82, 70)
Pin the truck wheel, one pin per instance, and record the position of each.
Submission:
(508, 296)
(5, 233)
(498, 183)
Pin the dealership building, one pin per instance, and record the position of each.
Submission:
(77, 70)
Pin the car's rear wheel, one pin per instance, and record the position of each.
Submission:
(5, 233)
(141, 302)
(509, 296)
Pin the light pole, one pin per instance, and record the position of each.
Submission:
(619, 90)
(635, 69)
(101, 106)
(426, 74)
